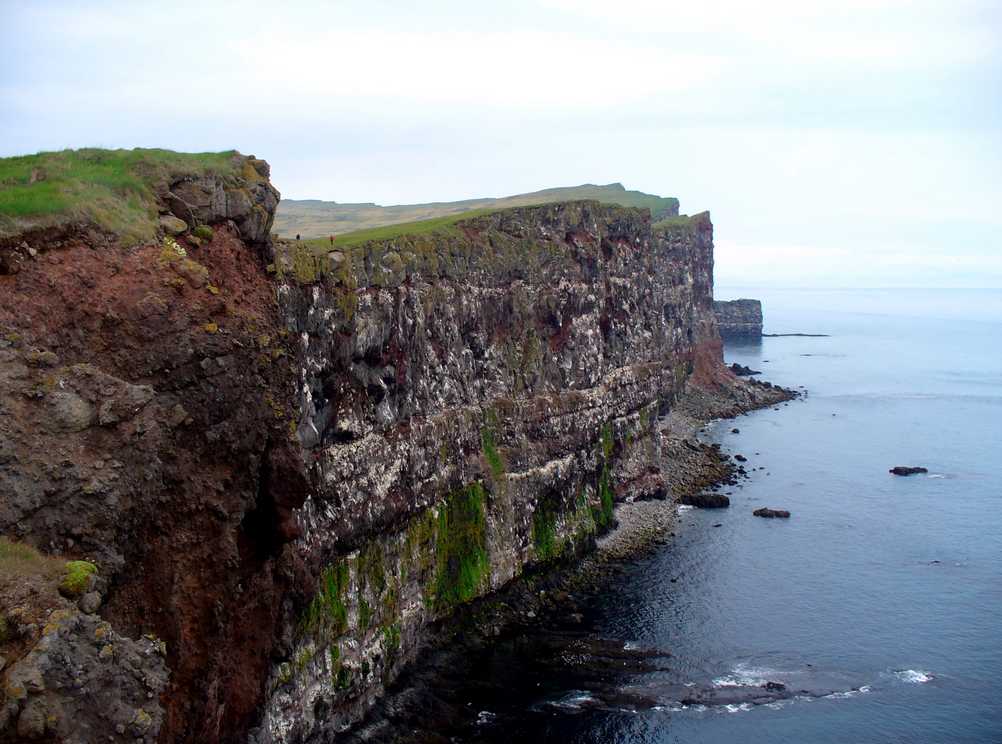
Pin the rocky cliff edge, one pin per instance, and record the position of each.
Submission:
(275, 470)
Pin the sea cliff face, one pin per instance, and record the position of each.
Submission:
(471, 409)
(286, 469)
(739, 318)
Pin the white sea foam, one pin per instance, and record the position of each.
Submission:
(914, 676)
(849, 693)
(936, 475)
(732, 708)
(574, 700)
(743, 676)
(684, 508)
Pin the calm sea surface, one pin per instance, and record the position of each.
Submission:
(881, 596)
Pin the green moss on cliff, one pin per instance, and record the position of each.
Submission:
(461, 547)
(544, 532)
(608, 443)
(603, 513)
(327, 612)
(204, 232)
(77, 578)
(494, 460)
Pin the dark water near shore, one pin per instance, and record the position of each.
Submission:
(881, 598)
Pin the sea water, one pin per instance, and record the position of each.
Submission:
(881, 596)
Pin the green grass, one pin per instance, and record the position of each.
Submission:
(680, 223)
(388, 232)
(314, 218)
(22, 560)
(114, 189)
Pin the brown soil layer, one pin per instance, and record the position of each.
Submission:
(139, 416)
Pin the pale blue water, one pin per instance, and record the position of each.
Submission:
(891, 585)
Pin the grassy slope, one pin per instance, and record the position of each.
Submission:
(440, 225)
(387, 232)
(112, 188)
(313, 218)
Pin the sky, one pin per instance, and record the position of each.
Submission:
(835, 143)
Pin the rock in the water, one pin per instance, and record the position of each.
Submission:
(904, 470)
(173, 225)
(771, 513)
(706, 500)
(739, 318)
(742, 371)
(740, 458)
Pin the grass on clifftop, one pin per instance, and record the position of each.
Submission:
(388, 232)
(315, 218)
(115, 189)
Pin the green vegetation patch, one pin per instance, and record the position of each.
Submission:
(77, 578)
(114, 189)
(544, 533)
(681, 225)
(314, 218)
(327, 612)
(494, 460)
(603, 513)
(438, 225)
(203, 231)
(463, 567)
(19, 559)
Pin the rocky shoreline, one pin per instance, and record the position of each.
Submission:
(422, 705)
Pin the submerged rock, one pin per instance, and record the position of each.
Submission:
(771, 513)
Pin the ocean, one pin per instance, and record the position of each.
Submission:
(878, 603)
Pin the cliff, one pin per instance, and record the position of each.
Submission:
(738, 318)
(278, 469)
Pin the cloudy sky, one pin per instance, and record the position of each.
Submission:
(842, 143)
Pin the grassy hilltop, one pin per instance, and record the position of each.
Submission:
(313, 218)
(115, 189)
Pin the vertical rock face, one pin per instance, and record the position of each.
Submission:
(739, 318)
(287, 477)
(472, 405)
(145, 396)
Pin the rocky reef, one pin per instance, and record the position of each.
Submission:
(286, 468)
(738, 318)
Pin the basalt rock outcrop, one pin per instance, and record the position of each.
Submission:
(739, 318)
(289, 467)
(249, 201)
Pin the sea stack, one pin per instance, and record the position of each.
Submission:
(738, 318)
